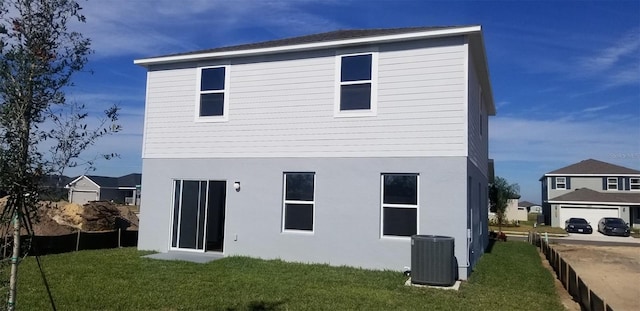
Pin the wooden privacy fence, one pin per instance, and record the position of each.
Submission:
(81, 240)
(571, 281)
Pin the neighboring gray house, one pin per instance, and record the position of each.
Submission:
(591, 189)
(124, 189)
(329, 148)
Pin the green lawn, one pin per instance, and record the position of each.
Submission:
(511, 277)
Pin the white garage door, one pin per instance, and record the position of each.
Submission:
(82, 197)
(591, 214)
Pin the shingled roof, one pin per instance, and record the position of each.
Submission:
(126, 181)
(588, 195)
(130, 180)
(593, 167)
(526, 204)
(344, 34)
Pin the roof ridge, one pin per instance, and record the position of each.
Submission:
(592, 166)
(316, 37)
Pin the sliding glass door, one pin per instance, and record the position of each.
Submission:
(198, 215)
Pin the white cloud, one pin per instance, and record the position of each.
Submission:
(525, 149)
(609, 61)
(596, 108)
(610, 56)
(148, 28)
(560, 140)
(625, 76)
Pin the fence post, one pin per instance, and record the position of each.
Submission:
(119, 237)
(78, 241)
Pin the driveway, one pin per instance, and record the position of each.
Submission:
(597, 236)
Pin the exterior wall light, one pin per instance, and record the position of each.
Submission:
(236, 185)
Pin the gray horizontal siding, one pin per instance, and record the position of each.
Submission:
(593, 183)
(283, 106)
(477, 134)
(85, 184)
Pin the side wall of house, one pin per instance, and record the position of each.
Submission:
(83, 191)
(596, 183)
(347, 212)
(477, 167)
(283, 106)
(514, 212)
(477, 214)
(84, 184)
(477, 121)
(544, 196)
(113, 194)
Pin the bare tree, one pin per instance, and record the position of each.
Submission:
(38, 56)
(72, 134)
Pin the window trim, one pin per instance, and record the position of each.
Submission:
(563, 183)
(610, 184)
(383, 205)
(631, 183)
(285, 202)
(373, 109)
(225, 109)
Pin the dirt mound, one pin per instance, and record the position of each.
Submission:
(46, 223)
(67, 215)
(59, 218)
(99, 216)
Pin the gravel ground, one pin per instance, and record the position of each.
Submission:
(610, 271)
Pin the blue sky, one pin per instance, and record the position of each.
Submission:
(565, 74)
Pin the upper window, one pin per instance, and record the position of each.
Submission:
(399, 204)
(612, 183)
(634, 183)
(356, 76)
(212, 99)
(298, 201)
(561, 183)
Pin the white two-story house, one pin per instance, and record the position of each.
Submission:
(591, 189)
(328, 148)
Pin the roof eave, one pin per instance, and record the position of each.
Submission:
(480, 53)
(590, 175)
(592, 202)
(69, 185)
(145, 62)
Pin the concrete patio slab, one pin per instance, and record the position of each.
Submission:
(186, 256)
(455, 286)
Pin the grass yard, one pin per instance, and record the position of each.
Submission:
(510, 277)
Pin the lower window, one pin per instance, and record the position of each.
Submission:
(299, 202)
(399, 204)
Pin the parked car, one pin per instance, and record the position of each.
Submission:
(578, 225)
(613, 226)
